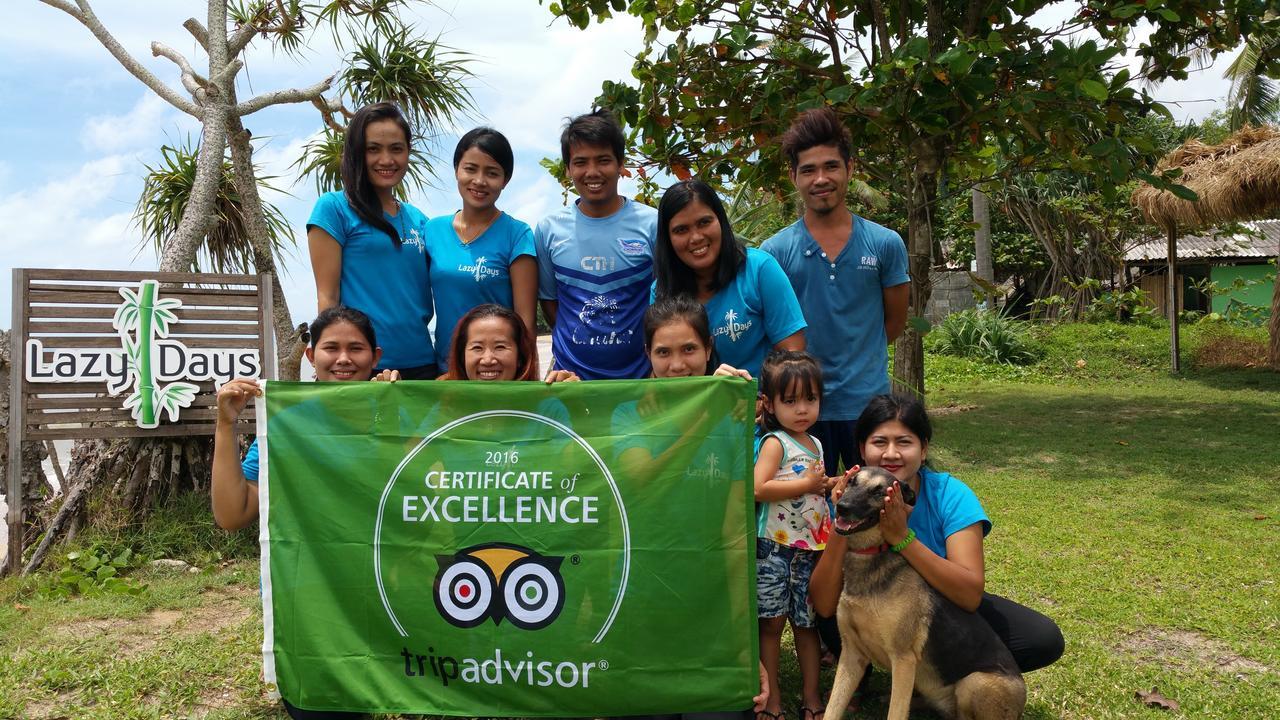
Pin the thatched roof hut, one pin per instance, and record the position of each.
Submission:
(1238, 179)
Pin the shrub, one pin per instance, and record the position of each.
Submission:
(1222, 345)
(984, 335)
(1121, 305)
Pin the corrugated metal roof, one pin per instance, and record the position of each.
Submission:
(1264, 244)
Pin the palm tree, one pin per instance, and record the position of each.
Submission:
(1254, 98)
(201, 204)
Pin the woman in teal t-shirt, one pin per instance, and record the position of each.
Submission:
(480, 254)
(367, 247)
(749, 300)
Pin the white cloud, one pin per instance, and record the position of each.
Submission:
(73, 219)
(141, 127)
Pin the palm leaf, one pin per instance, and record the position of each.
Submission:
(227, 248)
(126, 316)
(175, 396)
(133, 403)
(162, 315)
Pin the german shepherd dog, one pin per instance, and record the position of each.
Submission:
(890, 616)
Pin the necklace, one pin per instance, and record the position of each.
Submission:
(463, 230)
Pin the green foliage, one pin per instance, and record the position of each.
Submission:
(984, 335)
(1237, 311)
(426, 79)
(756, 214)
(1079, 353)
(1014, 250)
(1118, 305)
(181, 528)
(227, 248)
(1255, 96)
(95, 570)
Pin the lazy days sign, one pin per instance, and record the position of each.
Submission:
(159, 371)
(509, 548)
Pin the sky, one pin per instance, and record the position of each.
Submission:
(78, 130)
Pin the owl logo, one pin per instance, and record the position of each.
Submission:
(497, 581)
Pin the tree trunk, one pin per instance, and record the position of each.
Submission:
(984, 269)
(288, 337)
(1273, 349)
(34, 487)
(97, 465)
(908, 350)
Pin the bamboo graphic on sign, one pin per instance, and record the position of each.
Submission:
(148, 319)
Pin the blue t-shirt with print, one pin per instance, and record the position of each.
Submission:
(845, 296)
(389, 284)
(464, 275)
(599, 271)
(250, 463)
(944, 506)
(744, 324)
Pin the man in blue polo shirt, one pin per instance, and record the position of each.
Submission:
(850, 276)
(595, 259)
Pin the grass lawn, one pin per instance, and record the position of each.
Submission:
(1140, 511)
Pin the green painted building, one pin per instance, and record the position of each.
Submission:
(1240, 265)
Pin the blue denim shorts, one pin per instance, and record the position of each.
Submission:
(782, 581)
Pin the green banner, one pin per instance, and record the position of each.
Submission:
(509, 549)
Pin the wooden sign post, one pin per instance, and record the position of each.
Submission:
(101, 354)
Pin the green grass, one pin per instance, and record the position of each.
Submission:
(1088, 353)
(1141, 511)
(1125, 512)
(186, 646)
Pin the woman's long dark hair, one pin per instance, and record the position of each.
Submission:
(673, 276)
(355, 172)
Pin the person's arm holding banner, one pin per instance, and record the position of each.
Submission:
(235, 499)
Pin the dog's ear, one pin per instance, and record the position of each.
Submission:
(908, 495)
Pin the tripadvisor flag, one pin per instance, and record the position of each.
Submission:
(509, 548)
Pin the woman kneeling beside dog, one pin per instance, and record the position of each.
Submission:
(941, 536)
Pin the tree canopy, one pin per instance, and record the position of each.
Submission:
(977, 89)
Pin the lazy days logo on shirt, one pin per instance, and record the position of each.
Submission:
(730, 328)
(481, 270)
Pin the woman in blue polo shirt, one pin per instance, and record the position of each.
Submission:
(366, 246)
(480, 254)
(749, 300)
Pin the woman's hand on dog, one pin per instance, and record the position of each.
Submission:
(893, 517)
(838, 484)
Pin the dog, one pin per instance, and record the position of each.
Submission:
(890, 616)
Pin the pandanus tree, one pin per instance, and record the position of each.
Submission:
(925, 87)
(213, 203)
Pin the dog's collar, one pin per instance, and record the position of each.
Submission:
(872, 550)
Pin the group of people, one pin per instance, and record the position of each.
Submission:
(633, 292)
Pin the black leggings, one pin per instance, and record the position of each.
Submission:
(1034, 639)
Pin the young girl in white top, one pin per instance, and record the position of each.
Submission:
(794, 522)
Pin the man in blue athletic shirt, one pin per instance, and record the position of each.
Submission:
(850, 276)
(595, 259)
